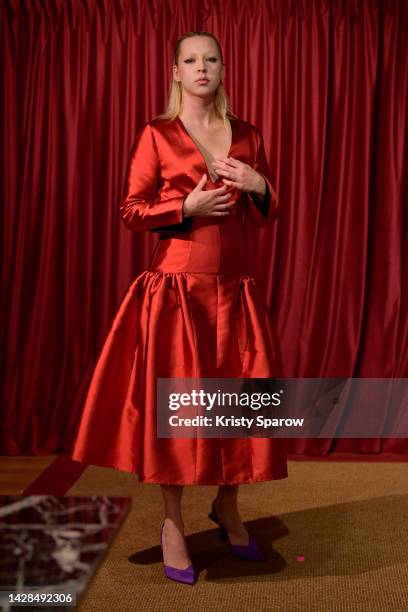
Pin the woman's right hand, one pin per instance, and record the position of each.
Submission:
(211, 203)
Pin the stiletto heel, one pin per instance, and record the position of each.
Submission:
(250, 551)
(187, 576)
(222, 531)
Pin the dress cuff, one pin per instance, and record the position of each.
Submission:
(264, 210)
(183, 225)
(262, 202)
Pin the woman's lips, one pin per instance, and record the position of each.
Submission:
(202, 81)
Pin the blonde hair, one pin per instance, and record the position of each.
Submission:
(174, 101)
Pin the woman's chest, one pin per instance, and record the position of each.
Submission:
(183, 155)
(212, 143)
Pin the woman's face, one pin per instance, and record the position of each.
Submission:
(199, 58)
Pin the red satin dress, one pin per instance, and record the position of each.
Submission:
(196, 312)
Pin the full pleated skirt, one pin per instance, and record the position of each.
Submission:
(179, 325)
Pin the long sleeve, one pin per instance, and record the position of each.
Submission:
(142, 208)
(263, 211)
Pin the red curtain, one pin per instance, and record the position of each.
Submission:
(325, 81)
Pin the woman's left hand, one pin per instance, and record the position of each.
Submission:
(239, 175)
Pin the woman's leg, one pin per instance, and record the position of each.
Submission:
(226, 506)
(175, 551)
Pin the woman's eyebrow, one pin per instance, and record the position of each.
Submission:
(206, 53)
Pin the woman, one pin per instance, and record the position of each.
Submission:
(198, 174)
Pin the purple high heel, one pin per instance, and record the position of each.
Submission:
(188, 575)
(250, 551)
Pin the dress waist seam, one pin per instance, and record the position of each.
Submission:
(184, 272)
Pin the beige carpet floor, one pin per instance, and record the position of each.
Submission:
(348, 520)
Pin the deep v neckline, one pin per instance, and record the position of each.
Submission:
(198, 148)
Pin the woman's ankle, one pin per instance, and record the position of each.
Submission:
(226, 506)
(174, 522)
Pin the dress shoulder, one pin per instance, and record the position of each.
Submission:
(251, 128)
(159, 123)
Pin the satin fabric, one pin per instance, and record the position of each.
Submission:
(195, 312)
